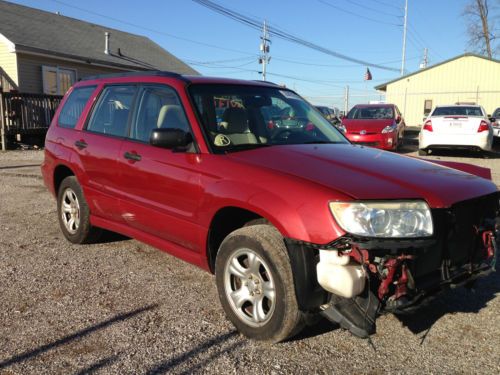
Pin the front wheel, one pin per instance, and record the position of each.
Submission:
(255, 284)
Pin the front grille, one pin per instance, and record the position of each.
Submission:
(458, 236)
(465, 220)
(370, 144)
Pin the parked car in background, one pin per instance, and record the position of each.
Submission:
(495, 122)
(456, 127)
(293, 220)
(332, 116)
(376, 125)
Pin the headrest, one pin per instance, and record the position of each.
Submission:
(237, 120)
(171, 116)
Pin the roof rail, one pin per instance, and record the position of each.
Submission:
(269, 82)
(157, 73)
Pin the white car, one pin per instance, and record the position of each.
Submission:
(456, 127)
(496, 123)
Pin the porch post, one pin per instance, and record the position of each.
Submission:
(2, 122)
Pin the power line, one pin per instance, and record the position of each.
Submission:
(256, 24)
(387, 4)
(357, 14)
(364, 6)
(336, 66)
(149, 29)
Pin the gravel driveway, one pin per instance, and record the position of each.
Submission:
(121, 307)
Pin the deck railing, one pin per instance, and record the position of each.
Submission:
(26, 113)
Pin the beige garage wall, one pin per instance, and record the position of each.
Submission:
(466, 79)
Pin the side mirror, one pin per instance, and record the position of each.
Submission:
(170, 138)
(398, 119)
(492, 119)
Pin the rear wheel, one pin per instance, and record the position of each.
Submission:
(255, 284)
(74, 213)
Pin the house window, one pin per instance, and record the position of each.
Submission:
(56, 80)
(427, 107)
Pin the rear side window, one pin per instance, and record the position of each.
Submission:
(111, 113)
(74, 105)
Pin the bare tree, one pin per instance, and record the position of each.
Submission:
(481, 27)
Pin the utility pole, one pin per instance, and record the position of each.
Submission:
(264, 50)
(404, 39)
(346, 100)
(425, 61)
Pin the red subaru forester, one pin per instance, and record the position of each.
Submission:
(293, 220)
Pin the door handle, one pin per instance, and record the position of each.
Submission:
(81, 144)
(132, 156)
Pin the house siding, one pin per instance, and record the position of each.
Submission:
(466, 79)
(30, 71)
(8, 68)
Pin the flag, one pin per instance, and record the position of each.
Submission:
(368, 75)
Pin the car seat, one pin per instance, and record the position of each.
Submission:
(238, 129)
(171, 116)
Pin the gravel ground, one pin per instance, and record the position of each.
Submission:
(121, 307)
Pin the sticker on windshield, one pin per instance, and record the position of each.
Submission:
(289, 95)
(222, 140)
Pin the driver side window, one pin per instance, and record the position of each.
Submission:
(159, 108)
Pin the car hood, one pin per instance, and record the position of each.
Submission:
(371, 126)
(368, 173)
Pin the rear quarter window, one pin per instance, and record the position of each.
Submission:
(74, 105)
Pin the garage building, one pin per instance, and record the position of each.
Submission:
(467, 78)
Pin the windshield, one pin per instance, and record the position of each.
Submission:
(458, 111)
(238, 117)
(496, 114)
(375, 113)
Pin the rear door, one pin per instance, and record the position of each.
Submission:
(161, 188)
(98, 146)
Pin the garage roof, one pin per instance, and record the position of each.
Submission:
(35, 31)
(383, 86)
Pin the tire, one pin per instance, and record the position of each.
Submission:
(254, 261)
(74, 214)
(400, 144)
(422, 152)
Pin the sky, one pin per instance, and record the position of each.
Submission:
(214, 45)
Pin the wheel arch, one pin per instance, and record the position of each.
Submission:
(226, 220)
(60, 173)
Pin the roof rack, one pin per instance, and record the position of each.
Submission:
(269, 82)
(157, 73)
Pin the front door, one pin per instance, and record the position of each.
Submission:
(161, 188)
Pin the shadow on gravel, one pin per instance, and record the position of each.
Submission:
(319, 328)
(108, 237)
(459, 300)
(217, 342)
(98, 365)
(20, 166)
(75, 336)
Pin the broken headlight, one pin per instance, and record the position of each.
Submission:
(401, 219)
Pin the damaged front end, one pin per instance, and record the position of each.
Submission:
(365, 277)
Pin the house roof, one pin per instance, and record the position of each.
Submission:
(383, 86)
(35, 31)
